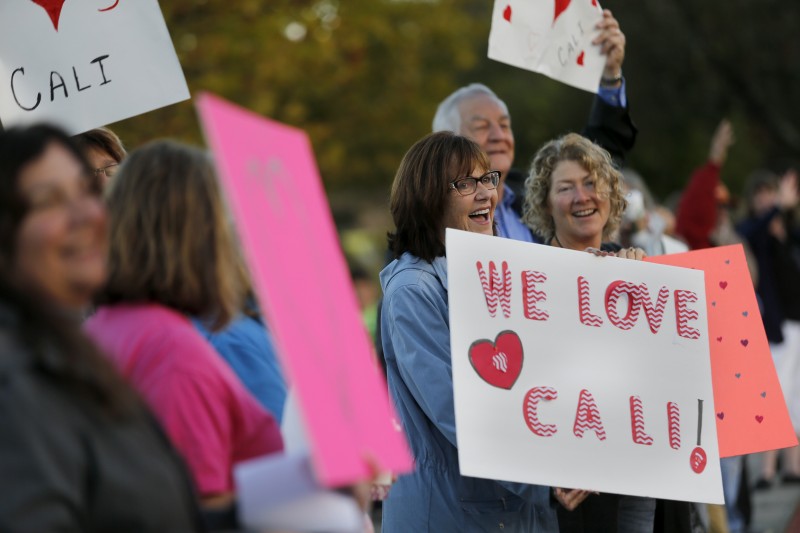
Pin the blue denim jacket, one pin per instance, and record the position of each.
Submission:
(436, 497)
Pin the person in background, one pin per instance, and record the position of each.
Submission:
(773, 235)
(476, 112)
(574, 200)
(172, 257)
(79, 451)
(105, 153)
(703, 200)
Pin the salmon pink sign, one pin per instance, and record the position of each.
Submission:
(302, 283)
(751, 413)
(578, 371)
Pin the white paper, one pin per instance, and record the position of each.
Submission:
(551, 37)
(279, 492)
(98, 67)
(560, 352)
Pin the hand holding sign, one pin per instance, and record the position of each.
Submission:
(571, 41)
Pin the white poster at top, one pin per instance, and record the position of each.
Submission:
(551, 37)
(577, 371)
(85, 63)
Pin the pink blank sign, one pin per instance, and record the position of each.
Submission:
(269, 174)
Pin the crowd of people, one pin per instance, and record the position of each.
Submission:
(138, 371)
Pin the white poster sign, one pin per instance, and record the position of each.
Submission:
(551, 37)
(578, 371)
(85, 63)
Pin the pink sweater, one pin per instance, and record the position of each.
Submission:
(207, 413)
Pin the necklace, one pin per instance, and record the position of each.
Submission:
(555, 237)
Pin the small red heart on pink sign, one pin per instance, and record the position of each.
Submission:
(719, 339)
(723, 284)
(507, 13)
(500, 363)
(759, 418)
(53, 8)
(744, 342)
(579, 60)
(721, 415)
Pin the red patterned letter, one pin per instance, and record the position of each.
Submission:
(587, 317)
(529, 410)
(637, 423)
(588, 417)
(683, 314)
(530, 295)
(496, 289)
(654, 313)
(613, 293)
(674, 421)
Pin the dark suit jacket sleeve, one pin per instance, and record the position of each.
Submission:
(612, 128)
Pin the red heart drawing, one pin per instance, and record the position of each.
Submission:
(744, 342)
(561, 5)
(723, 284)
(759, 418)
(721, 415)
(500, 363)
(719, 339)
(580, 58)
(53, 8)
(507, 13)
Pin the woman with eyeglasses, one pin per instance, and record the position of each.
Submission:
(444, 181)
(105, 153)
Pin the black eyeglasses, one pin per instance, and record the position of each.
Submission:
(468, 185)
(109, 170)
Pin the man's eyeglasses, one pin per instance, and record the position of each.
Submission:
(109, 170)
(468, 185)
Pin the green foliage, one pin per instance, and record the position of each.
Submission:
(363, 77)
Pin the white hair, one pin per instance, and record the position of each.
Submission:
(448, 117)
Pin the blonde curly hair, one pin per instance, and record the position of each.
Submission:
(596, 161)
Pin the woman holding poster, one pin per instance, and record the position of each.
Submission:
(575, 200)
(444, 181)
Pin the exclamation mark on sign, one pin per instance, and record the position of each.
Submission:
(698, 458)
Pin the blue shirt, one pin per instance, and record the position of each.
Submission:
(509, 224)
(415, 329)
(247, 347)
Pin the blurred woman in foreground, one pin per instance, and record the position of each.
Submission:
(78, 450)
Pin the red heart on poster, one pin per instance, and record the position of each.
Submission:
(759, 418)
(580, 58)
(53, 8)
(500, 363)
(744, 342)
(721, 415)
(723, 284)
(561, 5)
(507, 13)
(719, 339)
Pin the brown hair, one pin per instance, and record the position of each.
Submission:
(420, 189)
(57, 348)
(595, 160)
(171, 241)
(102, 139)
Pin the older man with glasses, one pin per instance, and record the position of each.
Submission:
(475, 111)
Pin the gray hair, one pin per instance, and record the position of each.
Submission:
(448, 118)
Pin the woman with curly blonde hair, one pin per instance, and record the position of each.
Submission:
(574, 199)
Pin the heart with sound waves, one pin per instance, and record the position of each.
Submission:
(498, 363)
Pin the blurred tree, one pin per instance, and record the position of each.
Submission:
(363, 77)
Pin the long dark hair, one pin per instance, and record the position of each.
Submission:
(57, 347)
